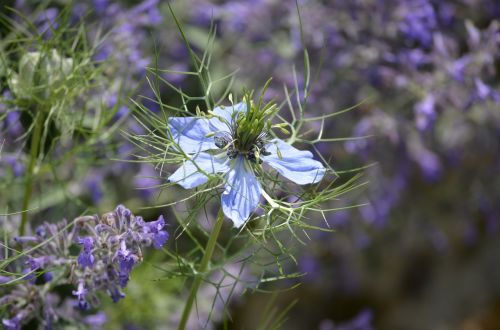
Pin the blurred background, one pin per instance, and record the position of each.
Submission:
(423, 253)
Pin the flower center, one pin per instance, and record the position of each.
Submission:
(248, 131)
(253, 153)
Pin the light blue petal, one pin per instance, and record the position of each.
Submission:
(225, 116)
(194, 172)
(190, 133)
(242, 193)
(296, 165)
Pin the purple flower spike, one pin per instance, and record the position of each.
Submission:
(86, 258)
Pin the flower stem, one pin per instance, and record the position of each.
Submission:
(212, 240)
(28, 188)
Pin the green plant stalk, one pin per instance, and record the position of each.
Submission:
(28, 188)
(209, 250)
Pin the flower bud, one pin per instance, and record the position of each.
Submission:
(39, 74)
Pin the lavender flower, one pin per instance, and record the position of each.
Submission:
(111, 246)
(80, 294)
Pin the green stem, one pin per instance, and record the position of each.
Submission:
(209, 250)
(28, 188)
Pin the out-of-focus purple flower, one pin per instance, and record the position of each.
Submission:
(115, 293)
(39, 262)
(174, 78)
(13, 124)
(458, 67)
(46, 22)
(362, 321)
(236, 15)
(12, 324)
(123, 111)
(419, 22)
(425, 113)
(26, 239)
(147, 13)
(484, 92)
(94, 184)
(203, 14)
(446, 13)
(360, 146)
(309, 265)
(4, 279)
(47, 276)
(41, 232)
(15, 164)
(146, 180)
(95, 321)
(430, 165)
(100, 6)
(86, 258)
(81, 293)
(414, 58)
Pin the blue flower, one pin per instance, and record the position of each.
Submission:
(223, 130)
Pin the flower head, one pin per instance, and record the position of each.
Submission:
(235, 141)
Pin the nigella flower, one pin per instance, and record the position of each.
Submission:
(239, 136)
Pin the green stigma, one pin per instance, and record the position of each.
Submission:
(253, 126)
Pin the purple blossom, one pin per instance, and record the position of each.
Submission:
(156, 230)
(419, 22)
(126, 261)
(46, 22)
(15, 164)
(115, 293)
(81, 294)
(85, 258)
(484, 92)
(425, 113)
(4, 279)
(95, 321)
(39, 262)
(12, 324)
